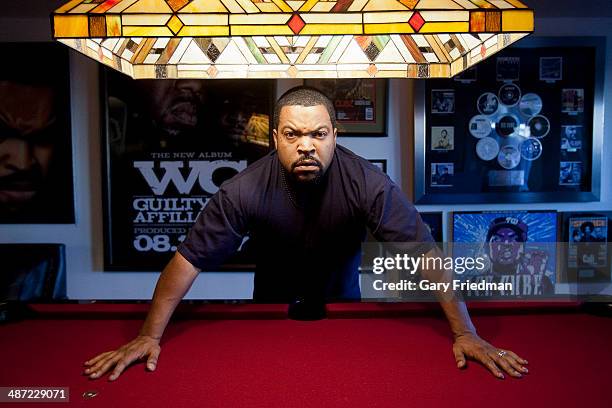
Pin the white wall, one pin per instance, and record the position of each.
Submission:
(84, 240)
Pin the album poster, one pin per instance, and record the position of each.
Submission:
(588, 256)
(518, 247)
(170, 144)
(36, 179)
(525, 126)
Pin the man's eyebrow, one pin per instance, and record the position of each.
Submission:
(294, 128)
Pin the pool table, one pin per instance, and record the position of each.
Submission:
(361, 355)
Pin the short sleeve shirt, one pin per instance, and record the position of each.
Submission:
(306, 242)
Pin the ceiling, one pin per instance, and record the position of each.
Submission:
(543, 8)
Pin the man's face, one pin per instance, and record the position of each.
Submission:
(505, 246)
(175, 104)
(305, 141)
(444, 134)
(26, 141)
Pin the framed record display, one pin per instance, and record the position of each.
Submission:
(523, 126)
(169, 145)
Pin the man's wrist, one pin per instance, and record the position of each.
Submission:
(150, 336)
(464, 332)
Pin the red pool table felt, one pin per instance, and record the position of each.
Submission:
(362, 355)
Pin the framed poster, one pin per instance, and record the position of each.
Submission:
(36, 180)
(588, 256)
(361, 104)
(169, 145)
(518, 247)
(525, 127)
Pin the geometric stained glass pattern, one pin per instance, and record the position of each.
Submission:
(290, 39)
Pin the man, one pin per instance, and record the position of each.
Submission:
(306, 206)
(510, 260)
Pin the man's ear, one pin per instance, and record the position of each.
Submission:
(335, 135)
(275, 137)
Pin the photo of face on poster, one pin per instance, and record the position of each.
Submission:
(179, 114)
(36, 183)
(442, 138)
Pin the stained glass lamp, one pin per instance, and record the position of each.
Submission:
(291, 39)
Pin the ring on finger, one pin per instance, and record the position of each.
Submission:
(502, 353)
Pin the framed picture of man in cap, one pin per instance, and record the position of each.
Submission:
(518, 247)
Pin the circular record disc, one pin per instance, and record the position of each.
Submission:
(509, 157)
(509, 94)
(480, 126)
(488, 103)
(531, 149)
(507, 125)
(531, 104)
(539, 126)
(487, 148)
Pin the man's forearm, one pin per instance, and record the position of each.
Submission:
(174, 282)
(458, 317)
(455, 310)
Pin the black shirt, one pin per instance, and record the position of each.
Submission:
(307, 240)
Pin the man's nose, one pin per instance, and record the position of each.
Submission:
(306, 146)
(16, 154)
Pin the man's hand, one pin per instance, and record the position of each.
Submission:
(140, 348)
(471, 346)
